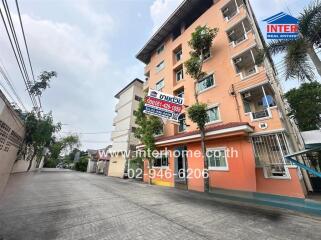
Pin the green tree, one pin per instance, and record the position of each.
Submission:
(39, 86)
(57, 146)
(39, 133)
(81, 165)
(147, 128)
(305, 104)
(201, 41)
(298, 51)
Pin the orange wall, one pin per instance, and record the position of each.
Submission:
(241, 168)
(195, 162)
(288, 187)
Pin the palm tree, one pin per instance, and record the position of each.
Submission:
(298, 51)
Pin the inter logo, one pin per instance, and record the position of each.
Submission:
(282, 26)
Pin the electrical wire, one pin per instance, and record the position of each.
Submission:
(27, 49)
(16, 57)
(6, 77)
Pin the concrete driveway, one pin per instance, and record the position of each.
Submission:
(71, 205)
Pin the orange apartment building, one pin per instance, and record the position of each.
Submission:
(244, 99)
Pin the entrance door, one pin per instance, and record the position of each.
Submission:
(180, 168)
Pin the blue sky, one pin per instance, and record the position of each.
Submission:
(92, 46)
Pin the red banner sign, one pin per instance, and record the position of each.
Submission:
(163, 104)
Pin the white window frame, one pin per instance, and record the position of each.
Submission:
(162, 133)
(160, 66)
(218, 111)
(179, 125)
(176, 74)
(223, 168)
(175, 93)
(162, 80)
(214, 83)
(176, 54)
(162, 167)
(209, 57)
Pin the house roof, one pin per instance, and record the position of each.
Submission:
(281, 18)
(184, 10)
(128, 86)
(312, 137)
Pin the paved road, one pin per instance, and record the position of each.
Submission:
(70, 205)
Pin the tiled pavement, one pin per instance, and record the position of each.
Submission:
(71, 205)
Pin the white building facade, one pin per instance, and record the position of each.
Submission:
(122, 137)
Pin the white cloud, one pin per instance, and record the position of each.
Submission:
(81, 95)
(160, 10)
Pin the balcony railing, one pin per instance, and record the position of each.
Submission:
(239, 40)
(245, 73)
(231, 15)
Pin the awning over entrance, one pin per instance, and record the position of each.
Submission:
(212, 132)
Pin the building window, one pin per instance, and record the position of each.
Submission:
(182, 123)
(133, 129)
(269, 151)
(160, 49)
(179, 74)
(217, 159)
(206, 54)
(161, 161)
(257, 102)
(213, 114)
(178, 55)
(179, 93)
(160, 66)
(137, 98)
(159, 131)
(160, 85)
(205, 83)
(176, 32)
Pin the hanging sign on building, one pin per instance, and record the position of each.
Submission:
(163, 105)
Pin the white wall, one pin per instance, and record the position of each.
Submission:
(8, 152)
(22, 166)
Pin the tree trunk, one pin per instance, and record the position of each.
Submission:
(195, 91)
(31, 161)
(206, 179)
(315, 59)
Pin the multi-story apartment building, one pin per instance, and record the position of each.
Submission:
(122, 137)
(245, 107)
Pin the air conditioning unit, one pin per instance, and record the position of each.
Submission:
(231, 32)
(225, 10)
(247, 95)
(237, 60)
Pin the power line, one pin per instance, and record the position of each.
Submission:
(6, 77)
(27, 49)
(95, 133)
(20, 65)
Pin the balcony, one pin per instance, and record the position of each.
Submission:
(239, 32)
(232, 9)
(258, 101)
(245, 63)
